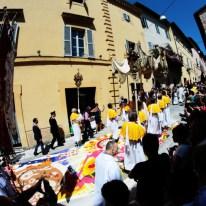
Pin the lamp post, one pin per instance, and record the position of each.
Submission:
(78, 81)
(134, 77)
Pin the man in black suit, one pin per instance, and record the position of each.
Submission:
(37, 136)
(54, 129)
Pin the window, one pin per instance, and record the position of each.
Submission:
(150, 45)
(129, 45)
(144, 22)
(126, 17)
(167, 34)
(157, 28)
(79, 1)
(78, 42)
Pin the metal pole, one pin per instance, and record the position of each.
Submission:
(135, 93)
(78, 98)
(128, 88)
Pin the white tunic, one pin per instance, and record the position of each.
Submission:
(115, 129)
(106, 169)
(175, 100)
(77, 130)
(154, 126)
(181, 94)
(133, 153)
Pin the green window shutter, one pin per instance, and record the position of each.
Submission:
(67, 41)
(90, 43)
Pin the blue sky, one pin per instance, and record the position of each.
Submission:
(181, 12)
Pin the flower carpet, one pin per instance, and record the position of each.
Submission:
(53, 168)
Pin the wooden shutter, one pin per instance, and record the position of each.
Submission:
(90, 44)
(67, 41)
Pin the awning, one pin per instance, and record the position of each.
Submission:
(78, 20)
(11, 13)
(121, 67)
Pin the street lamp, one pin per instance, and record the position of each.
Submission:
(162, 17)
(135, 77)
(78, 81)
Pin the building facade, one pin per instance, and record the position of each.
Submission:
(56, 39)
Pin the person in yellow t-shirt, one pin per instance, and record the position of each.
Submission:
(154, 122)
(166, 98)
(75, 119)
(133, 133)
(112, 123)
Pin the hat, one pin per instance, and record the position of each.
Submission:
(74, 110)
(52, 112)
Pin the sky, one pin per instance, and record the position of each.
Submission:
(181, 12)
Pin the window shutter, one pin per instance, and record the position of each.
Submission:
(127, 46)
(144, 22)
(90, 43)
(150, 45)
(67, 41)
(15, 32)
(157, 28)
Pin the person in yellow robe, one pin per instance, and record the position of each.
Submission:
(112, 122)
(75, 120)
(142, 114)
(133, 133)
(166, 111)
(125, 111)
(154, 120)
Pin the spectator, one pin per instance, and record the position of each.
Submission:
(182, 158)
(115, 193)
(183, 180)
(152, 175)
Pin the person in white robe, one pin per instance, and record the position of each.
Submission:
(175, 97)
(133, 133)
(154, 121)
(112, 122)
(181, 94)
(106, 169)
(75, 120)
(167, 101)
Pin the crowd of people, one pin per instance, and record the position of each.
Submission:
(177, 178)
(174, 179)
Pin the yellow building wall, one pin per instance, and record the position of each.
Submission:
(131, 31)
(43, 90)
(44, 27)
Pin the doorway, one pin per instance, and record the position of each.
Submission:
(86, 98)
